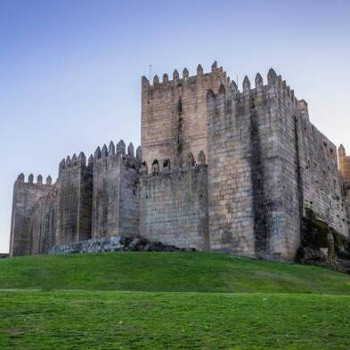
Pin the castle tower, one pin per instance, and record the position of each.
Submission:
(174, 113)
(248, 157)
(25, 196)
(115, 208)
(74, 200)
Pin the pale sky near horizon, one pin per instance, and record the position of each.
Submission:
(70, 70)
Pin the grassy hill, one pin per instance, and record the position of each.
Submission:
(168, 272)
(170, 301)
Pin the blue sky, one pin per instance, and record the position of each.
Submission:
(70, 70)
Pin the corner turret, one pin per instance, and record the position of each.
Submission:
(25, 195)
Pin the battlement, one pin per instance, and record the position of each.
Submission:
(73, 163)
(39, 180)
(220, 76)
(116, 151)
(181, 163)
(275, 86)
(286, 92)
(216, 74)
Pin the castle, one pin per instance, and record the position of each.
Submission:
(218, 169)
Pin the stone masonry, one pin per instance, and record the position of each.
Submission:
(218, 169)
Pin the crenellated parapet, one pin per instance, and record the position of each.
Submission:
(74, 162)
(278, 86)
(115, 153)
(275, 86)
(30, 180)
(213, 79)
(181, 163)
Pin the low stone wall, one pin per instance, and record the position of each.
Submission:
(113, 244)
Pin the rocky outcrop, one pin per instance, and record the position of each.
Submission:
(114, 244)
(322, 245)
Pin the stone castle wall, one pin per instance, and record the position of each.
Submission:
(220, 169)
(43, 223)
(174, 205)
(321, 183)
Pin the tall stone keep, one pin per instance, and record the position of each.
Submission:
(174, 118)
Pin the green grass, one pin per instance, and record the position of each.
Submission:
(136, 320)
(168, 272)
(170, 301)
